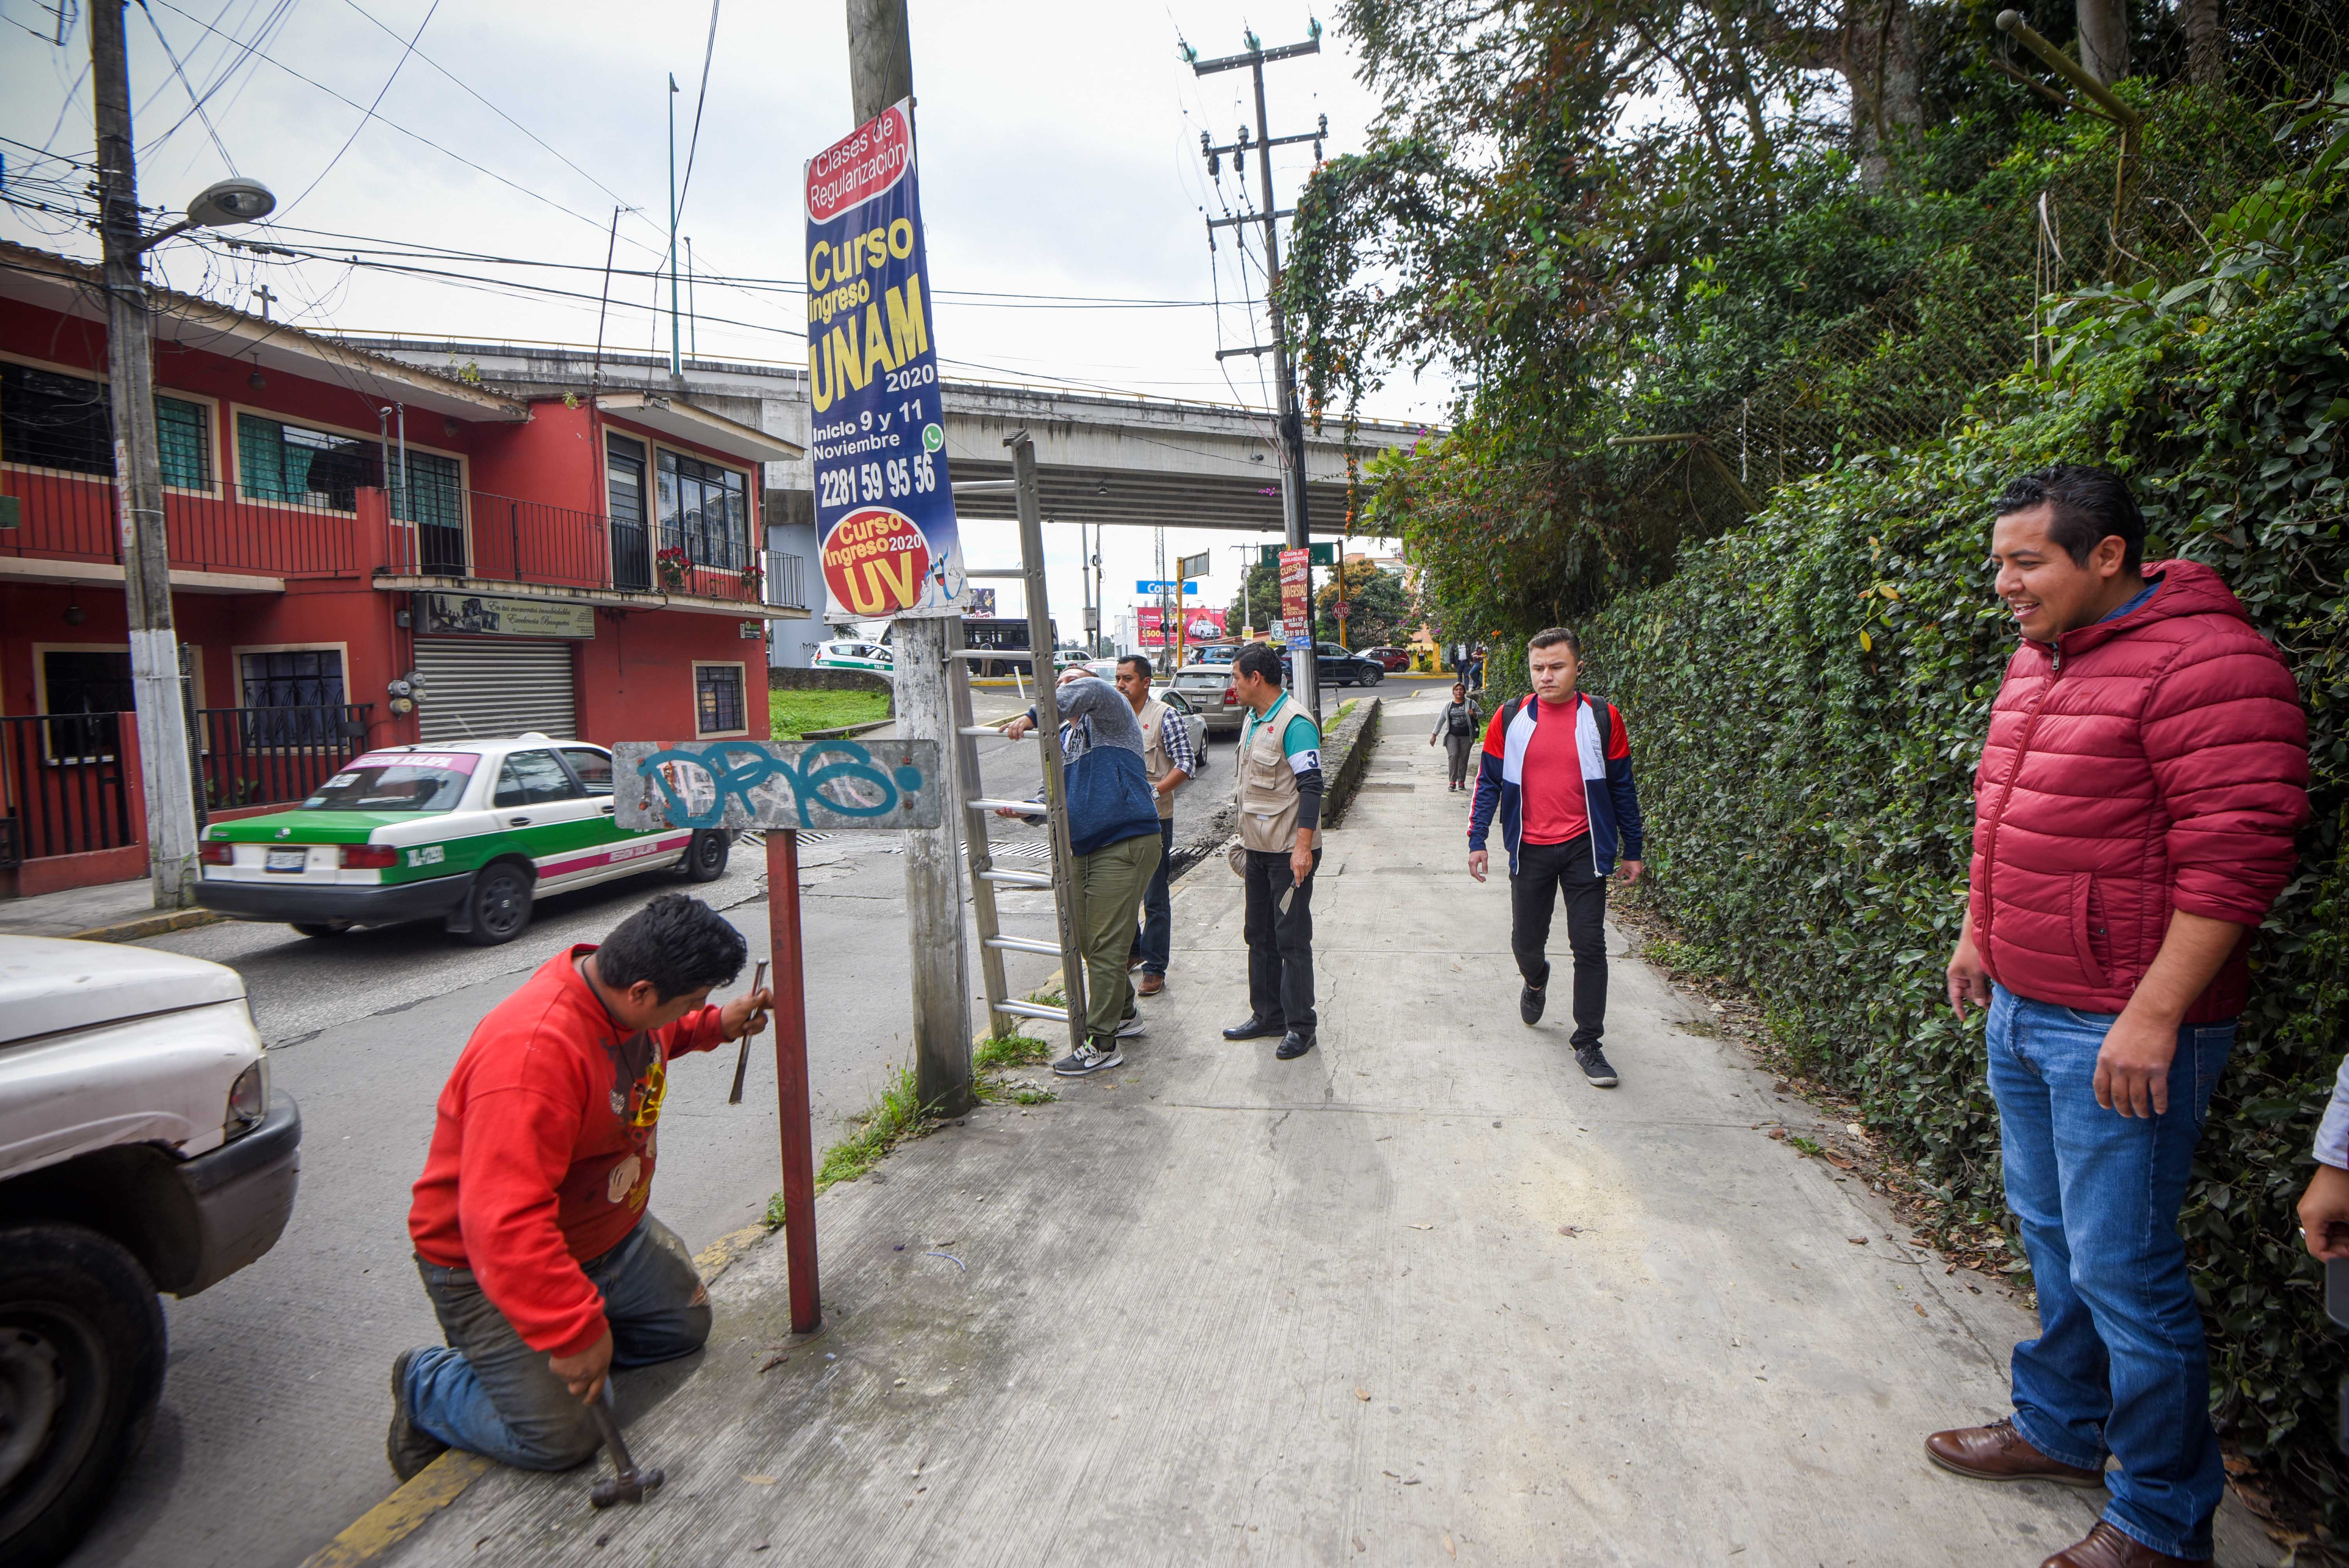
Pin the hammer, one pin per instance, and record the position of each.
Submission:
(742, 1061)
(629, 1484)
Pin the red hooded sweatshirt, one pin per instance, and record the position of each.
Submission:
(542, 1150)
(2151, 763)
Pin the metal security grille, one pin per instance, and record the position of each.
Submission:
(480, 688)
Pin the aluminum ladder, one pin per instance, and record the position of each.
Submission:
(1004, 1010)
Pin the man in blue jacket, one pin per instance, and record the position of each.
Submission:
(1114, 829)
(1558, 769)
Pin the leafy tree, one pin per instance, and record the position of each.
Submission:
(1378, 611)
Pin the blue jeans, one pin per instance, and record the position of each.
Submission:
(490, 1394)
(1155, 941)
(2118, 1366)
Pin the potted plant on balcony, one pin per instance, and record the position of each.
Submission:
(753, 576)
(670, 565)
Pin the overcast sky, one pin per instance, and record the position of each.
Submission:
(1058, 145)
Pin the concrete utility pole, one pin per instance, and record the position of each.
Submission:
(164, 756)
(880, 73)
(1294, 521)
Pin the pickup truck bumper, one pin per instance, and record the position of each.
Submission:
(289, 901)
(242, 1194)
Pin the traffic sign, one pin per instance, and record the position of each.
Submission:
(1323, 554)
(1199, 565)
(1158, 585)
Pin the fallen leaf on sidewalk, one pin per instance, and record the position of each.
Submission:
(1779, 1133)
(1362, 1394)
(1571, 1230)
(771, 1362)
(758, 1480)
(1856, 1241)
(1920, 1306)
(1358, 1540)
(1423, 1227)
(1449, 1550)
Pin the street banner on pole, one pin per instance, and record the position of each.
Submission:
(1294, 591)
(1151, 628)
(884, 508)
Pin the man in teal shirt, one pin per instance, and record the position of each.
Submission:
(1280, 768)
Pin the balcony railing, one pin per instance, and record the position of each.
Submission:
(269, 755)
(77, 517)
(787, 579)
(516, 541)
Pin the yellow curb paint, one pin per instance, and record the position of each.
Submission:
(148, 925)
(714, 1259)
(397, 1517)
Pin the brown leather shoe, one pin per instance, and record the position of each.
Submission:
(1151, 986)
(2108, 1548)
(1999, 1453)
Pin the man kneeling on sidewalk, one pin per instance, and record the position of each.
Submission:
(530, 1219)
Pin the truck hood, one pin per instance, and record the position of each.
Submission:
(49, 983)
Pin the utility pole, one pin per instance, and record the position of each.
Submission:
(1295, 529)
(675, 361)
(880, 73)
(165, 760)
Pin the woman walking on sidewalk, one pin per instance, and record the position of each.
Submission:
(1456, 725)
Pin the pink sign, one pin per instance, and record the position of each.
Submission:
(447, 761)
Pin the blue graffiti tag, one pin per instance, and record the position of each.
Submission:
(806, 781)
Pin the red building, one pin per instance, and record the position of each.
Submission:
(364, 553)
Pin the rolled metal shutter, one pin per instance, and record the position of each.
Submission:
(481, 688)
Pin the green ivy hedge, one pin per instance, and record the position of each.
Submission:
(1807, 697)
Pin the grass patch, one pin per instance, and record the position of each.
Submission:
(793, 713)
(898, 1115)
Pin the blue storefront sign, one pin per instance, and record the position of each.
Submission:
(883, 507)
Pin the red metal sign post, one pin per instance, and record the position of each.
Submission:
(792, 1076)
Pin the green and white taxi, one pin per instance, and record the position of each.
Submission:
(467, 834)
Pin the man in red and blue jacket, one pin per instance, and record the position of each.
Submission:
(1558, 769)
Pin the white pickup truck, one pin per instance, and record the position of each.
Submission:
(141, 1150)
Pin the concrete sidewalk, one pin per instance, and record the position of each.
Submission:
(107, 911)
(1422, 1295)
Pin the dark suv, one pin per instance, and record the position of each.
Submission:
(1338, 667)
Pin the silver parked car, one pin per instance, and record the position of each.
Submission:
(1208, 689)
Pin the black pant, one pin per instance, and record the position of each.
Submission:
(1544, 872)
(1281, 946)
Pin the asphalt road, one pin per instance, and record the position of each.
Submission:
(270, 1438)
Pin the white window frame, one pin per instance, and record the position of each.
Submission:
(743, 674)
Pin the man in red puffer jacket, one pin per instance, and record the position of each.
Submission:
(2134, 817)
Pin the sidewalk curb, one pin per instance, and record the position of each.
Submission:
(846, 731)
(150, 925)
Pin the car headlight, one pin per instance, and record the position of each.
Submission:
(248, 1100)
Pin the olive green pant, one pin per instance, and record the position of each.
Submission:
(1113, 878)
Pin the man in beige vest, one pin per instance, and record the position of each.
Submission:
(1167, 757)
(1280, 768)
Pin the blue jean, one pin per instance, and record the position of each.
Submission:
(1155, 941)
(2119, 1365)
(490, 1394)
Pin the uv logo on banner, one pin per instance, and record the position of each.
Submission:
(883, 505)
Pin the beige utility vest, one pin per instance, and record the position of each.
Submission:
(1267, 789)
(1154, 759)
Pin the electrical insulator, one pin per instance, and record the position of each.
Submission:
(1215, 167)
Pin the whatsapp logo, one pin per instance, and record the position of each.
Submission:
(933, 438)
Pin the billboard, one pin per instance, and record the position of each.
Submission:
(1150, 627)
(1296, 593)
(883, 507)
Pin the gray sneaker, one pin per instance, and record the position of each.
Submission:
(1596, 1069)
(1091, 1057)
(1129, 1025)
(407, 1446)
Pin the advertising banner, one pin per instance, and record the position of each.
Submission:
(475, 614)
(1296, 593)
(884, 508)
(1198, 627)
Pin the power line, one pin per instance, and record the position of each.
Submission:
(195, 104)
(395, 64)
(708, 52)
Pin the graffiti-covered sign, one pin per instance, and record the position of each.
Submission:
(884, 508)
(737, 784)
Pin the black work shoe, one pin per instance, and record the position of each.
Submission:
(1529, 1003)
(1255, 1029)
(1596, 1067)
(1294, 1044)
(407, 1446)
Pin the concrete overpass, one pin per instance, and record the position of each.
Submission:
(1137, 461)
